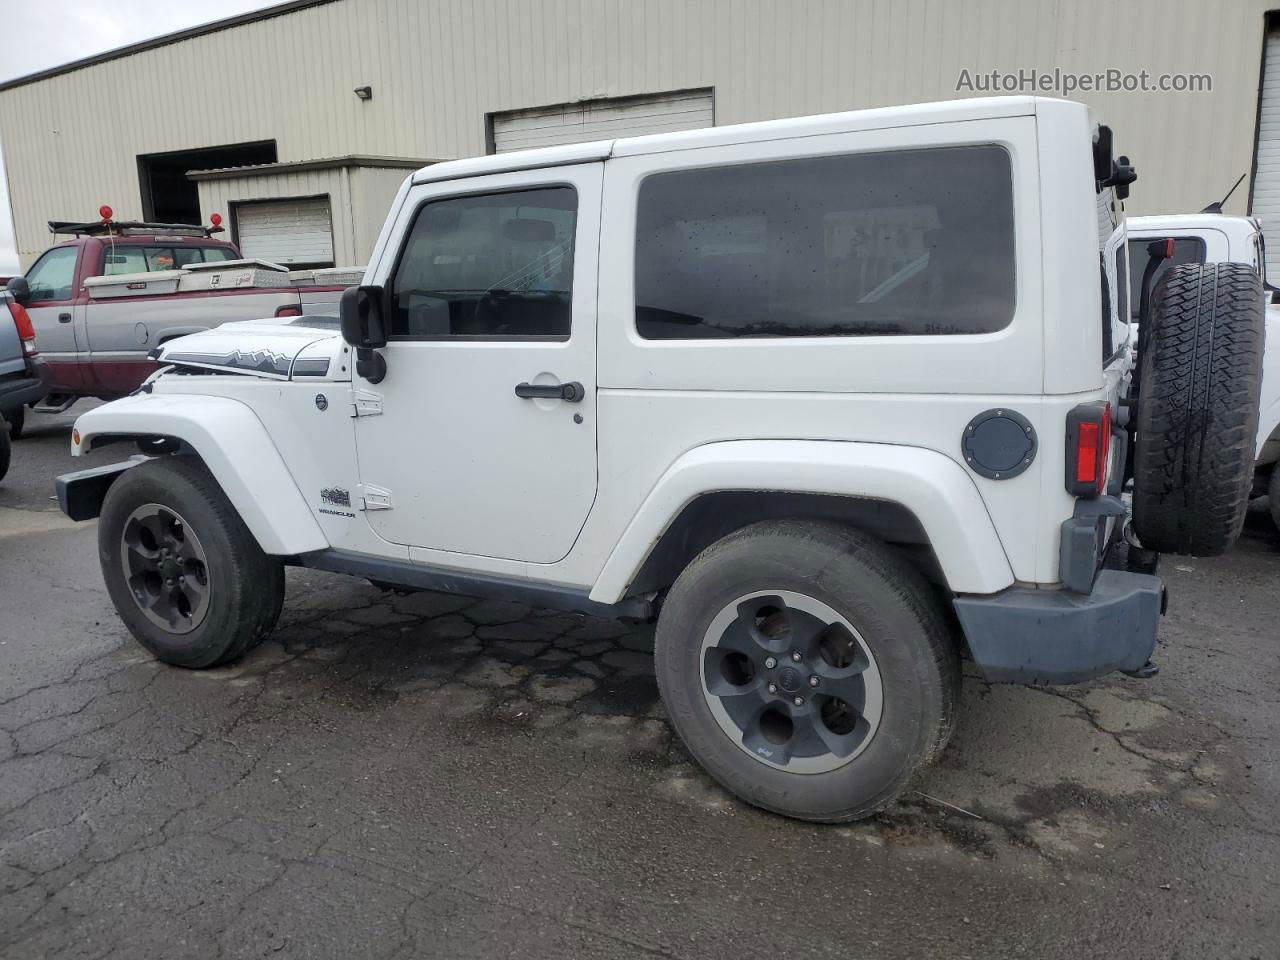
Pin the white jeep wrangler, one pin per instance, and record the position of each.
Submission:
(834, 399)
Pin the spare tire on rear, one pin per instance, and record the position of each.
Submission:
(1200, 372)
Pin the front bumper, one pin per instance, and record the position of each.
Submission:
(80, 494)
(1025, 635)
(31, 388)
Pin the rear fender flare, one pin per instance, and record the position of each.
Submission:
(235, 446)
(932, 486)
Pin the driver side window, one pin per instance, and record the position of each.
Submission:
(493, 266)
(53, 275)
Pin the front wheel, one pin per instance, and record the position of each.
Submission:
(185, 574)
(808, 668)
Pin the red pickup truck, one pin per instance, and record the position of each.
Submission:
(102, 301)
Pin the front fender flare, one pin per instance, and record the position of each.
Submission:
(935, 488)
(234, 445)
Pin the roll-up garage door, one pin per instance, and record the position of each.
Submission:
(602, 120)
(287, 231)
(1266, 183)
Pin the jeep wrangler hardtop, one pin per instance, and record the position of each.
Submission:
(833, 399)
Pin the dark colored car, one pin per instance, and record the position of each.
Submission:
(24, 377)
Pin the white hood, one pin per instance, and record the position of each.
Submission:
(294, 348)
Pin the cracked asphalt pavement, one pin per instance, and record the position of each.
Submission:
(426, 775)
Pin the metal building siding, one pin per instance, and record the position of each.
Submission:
(1266, 186)
(372, 191)
(602, 120)
(438, 67)
(218, 196)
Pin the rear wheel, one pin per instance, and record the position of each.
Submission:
(808, 668)
(185, 574)
(1201, 372)
(5, 450)
(17, 420)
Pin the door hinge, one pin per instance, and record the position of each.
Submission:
(365, 403)
(373, 498)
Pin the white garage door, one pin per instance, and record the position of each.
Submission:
(602, 120)
(1266, 184)
(287, 231)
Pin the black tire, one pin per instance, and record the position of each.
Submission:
(245, 586)
(885, 599)
(5, 451)
(17, 420)
(1201, 373)
(1273, 495)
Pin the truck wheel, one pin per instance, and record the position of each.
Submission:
(1273, 495)
(5, 450)
(184, 572)
(808, 668)
(1198, 409)
(17, 420)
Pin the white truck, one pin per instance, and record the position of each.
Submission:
(834, 399)
(1216, 238)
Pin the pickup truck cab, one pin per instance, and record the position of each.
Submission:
(835, 399)
(98, 345)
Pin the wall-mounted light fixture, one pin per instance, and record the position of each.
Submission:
(364, 93)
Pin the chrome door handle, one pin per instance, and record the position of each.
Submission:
(569, 392)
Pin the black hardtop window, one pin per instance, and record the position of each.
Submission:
(892, 243)
(496, 265)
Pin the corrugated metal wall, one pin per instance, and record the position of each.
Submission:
(372, 190)
(217, 196)
(437, 67)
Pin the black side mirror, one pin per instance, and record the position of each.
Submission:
(361, 313)
(19, 289)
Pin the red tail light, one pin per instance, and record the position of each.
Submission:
(1088, 444)
(288, 311)
(26, 332)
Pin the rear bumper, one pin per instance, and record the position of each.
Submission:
(1025, 635)
(30, 388)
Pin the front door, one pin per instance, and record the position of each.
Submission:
(51, 308)
(490, 304)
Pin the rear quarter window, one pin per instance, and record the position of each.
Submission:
(893, 243)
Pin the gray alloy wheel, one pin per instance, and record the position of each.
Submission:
(791, 681)
(166, 568)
